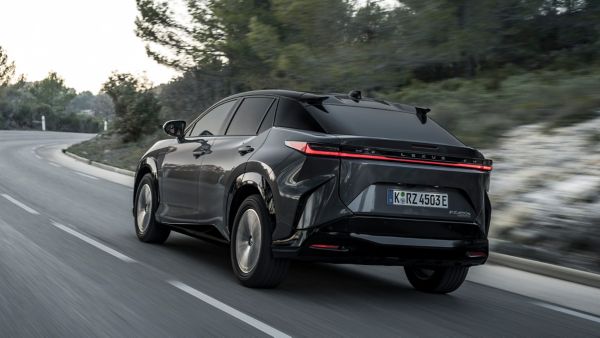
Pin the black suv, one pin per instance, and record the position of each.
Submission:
(281, 175)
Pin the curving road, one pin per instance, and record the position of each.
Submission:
(71, 265)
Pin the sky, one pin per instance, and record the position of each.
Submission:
(82, 40)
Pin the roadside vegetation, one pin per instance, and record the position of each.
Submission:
(481, 109)
(484, 67)
(136, 123)
(477, 110)
(110, 149)
(23, 103)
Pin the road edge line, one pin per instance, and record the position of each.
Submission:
(571, 312)
(546, 269)
(98, 164)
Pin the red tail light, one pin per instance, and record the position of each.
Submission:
(476, 254)
(309, 149)
(329, 247)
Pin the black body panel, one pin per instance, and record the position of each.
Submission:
(333, 196)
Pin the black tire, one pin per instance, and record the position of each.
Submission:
(436, 280)
(152, 232)
(267, 272)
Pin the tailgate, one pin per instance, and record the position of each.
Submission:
(412, 180)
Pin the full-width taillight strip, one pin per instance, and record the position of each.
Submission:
(304, 147)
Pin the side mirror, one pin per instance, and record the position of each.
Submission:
(175, 128)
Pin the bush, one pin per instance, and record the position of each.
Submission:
(478, 112)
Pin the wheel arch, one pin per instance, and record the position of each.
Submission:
(246, 184)
(146, 166)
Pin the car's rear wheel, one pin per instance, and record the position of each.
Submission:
(251, 256)
(146, 227)
(437, 279)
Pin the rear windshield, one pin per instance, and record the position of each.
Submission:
(381, 123)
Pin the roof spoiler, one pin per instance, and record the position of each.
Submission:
(419, 111)
(312, 98)
(422, 114)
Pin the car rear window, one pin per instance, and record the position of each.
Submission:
(381, 123)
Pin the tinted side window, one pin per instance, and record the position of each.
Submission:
(267, 122)
(214, 122)
(291, 114)
(249, 116)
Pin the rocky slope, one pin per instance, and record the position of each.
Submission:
(546, 194)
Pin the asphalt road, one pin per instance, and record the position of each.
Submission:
(71, 265)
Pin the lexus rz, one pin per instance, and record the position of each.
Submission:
(283, 175)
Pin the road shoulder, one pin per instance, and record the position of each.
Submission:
(55, 154)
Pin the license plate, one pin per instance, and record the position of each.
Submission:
(417, 199)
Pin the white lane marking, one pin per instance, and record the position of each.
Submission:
(569, 311)
(54, 164)
(93, 242)
(228, 309)
(86, 175)
(20, 204)
(34, 152)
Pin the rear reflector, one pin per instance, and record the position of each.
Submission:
(325, 246)
(306, 148)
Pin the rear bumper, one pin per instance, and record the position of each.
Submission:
(387, 241)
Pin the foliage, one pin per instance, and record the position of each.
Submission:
(7, 68)
(110, 149)
(480, 110)
(23, 104)
(484, 66)
(52, 92)
(316, 45)
(184, 98)
(136, 106)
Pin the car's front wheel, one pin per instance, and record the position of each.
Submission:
(251, 256)
(146, 227)
(438, 279)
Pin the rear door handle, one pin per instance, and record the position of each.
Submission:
(245, 149)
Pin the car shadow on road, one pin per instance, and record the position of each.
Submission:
(304, 279)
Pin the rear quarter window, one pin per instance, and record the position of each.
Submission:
(249, 115)
(291, 114)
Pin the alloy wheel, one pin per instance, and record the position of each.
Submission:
(248, 241)
(144, 208)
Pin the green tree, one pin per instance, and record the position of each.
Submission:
(7, 68)
(322, 45)
(84, 101)
(302, 44)
(53, 92)
(212, 42)
(136, 107)
(103, 106)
